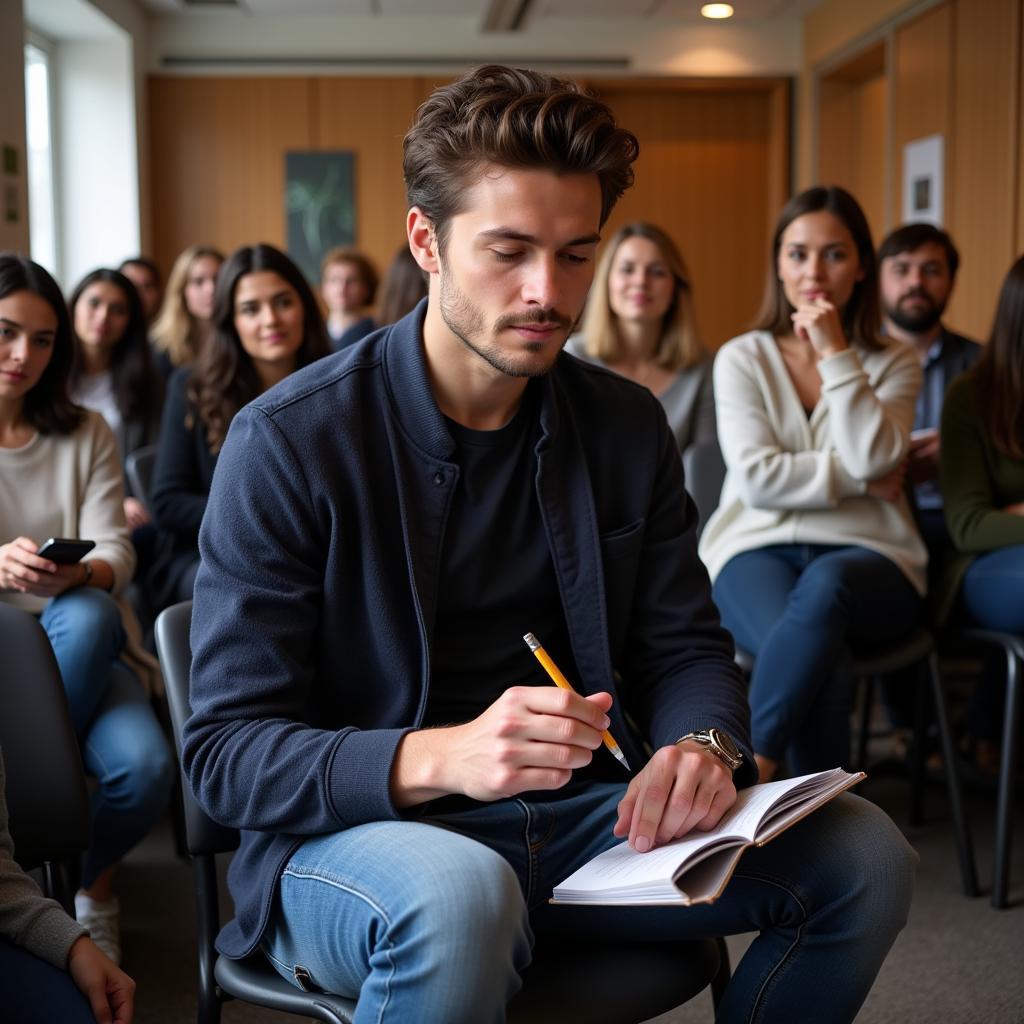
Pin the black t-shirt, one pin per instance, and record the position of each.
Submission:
(497, 580)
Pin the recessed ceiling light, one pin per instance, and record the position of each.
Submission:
(717, 11)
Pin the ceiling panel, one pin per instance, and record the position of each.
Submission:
(304, 7)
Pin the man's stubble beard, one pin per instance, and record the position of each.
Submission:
(466, 322)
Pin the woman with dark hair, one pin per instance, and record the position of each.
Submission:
(404, 285)
(111, 372)
(62, 478)
(981, 468)
(266, 324)
(184, 318)
(640, 322)
(813, 547)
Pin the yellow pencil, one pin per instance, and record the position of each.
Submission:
(559, 680)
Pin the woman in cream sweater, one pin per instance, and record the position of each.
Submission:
(813, 547)
(60, 476)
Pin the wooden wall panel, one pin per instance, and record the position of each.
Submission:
(710, 176)
(853, 131)
(922, 91)
(714, 168)
(217, 159)
(985, 154)
(371, 116)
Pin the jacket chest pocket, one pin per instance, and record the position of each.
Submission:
(620, 559)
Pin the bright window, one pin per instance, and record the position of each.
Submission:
(42, 215)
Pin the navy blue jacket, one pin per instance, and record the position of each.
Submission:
(315, 602)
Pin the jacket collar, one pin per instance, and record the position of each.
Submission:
(408, 385)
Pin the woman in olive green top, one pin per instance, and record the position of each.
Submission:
(981, 465)
(982, 471)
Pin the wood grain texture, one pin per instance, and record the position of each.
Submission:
(986, 150)
(217, 159)
(922, 90)
(714, 168)
(713, 172)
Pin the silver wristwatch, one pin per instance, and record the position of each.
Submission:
(716, 742)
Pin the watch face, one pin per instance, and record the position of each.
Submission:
(725, 742)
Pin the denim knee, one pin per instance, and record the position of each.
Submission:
(90, 614)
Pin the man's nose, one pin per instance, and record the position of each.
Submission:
(540, 286)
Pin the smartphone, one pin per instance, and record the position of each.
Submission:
(65, 550)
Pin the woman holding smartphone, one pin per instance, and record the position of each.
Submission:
(266, 324)
(62, 477)
(813, 547)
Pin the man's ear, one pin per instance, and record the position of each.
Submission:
(422, 240)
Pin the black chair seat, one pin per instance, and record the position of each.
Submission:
(661, 976)
(253, 980)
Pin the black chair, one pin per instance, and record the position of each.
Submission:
(704, 474)
(1012, 648)
(596, 983)
(914, 651)
(138, 467)
(47, 799)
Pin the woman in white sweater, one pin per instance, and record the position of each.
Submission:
(813, 547)
(60, 476)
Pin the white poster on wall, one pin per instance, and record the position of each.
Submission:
(923, 180)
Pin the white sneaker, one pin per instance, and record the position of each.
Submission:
(103, 919)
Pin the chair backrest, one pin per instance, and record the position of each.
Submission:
(704, 473)
(46, 793)
(202, 834)
(138, 467)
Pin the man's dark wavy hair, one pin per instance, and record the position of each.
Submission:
(513, 118)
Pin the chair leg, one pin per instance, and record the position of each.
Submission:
(964, 847)
(1004, 816)
(207, 921)
(865, 723)
(721, 980)
(919, 751)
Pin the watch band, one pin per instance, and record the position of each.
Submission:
(717, 743)
(88, 573)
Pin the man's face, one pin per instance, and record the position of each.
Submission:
(517, 264)
(915, 287)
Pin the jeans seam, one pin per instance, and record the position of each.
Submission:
(530, 858)
(778, 883)
(311, 875)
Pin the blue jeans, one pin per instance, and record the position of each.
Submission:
(433, 919)
(36, 992)
(992, 596)
(798, 608)
(121, 740)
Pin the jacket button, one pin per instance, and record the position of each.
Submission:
(439, 478)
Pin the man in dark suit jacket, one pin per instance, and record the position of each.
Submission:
(382, 530)
(917, 271)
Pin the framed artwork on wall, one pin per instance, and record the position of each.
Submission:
(320, 206)
(923, 180)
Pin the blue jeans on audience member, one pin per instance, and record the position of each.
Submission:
(33, 991)
(431, 920)
(121, 740)
(992, 596)
(798, 608)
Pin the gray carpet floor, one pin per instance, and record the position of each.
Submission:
(958, 960)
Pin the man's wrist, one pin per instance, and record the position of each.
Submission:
(416, 773)
(717, 744)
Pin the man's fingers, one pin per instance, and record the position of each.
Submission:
(724, 799)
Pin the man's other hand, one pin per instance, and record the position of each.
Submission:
(682, 787)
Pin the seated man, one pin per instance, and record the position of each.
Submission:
(382, 532)
(917, 265)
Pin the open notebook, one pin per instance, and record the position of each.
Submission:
(696, 868)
